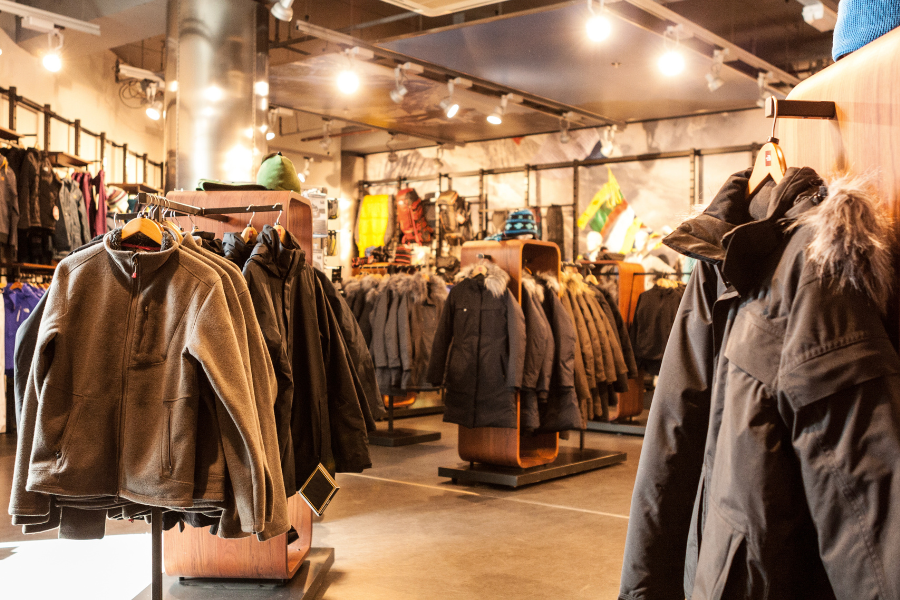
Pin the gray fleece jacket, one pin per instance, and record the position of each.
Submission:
(112, 398)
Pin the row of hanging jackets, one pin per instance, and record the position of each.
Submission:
(44, 216)
(488, 347)
(398, 315)
(148, 377)
(605, 360)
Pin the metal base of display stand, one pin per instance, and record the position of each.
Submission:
(623, 428)
(418, 411)
(401, 436)
(569, 462)
(305, 584)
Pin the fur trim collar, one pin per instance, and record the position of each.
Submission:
(495, 281)
(351, 287)
(533, 287)
(851, 240)
(574, 282)
(549, 282)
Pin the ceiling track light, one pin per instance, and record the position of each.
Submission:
(762, 81)
(399, 90)
(154, 107)
(392, 157)
(672, 62)
(448, 105)
(438, 156)
(282, 10)
(607, 142)
(52, 60)
(325, 142)
(564, 137)
(714, 78)
(496, 117)
(598, 25)
(304, 175)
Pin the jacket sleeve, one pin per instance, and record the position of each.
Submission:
(672, 455)
(440, 348)
(515, 324)
(404, 337)
(840, 391)
(213, 343)
(26, 341)
(12, 203)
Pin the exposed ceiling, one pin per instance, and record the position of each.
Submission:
(536, 46)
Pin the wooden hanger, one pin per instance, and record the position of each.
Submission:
(770, 160)
(141, 224)
(249, 233)
(279, 229)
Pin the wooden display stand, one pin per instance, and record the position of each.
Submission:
(631, 403)
(504, 456)
(194, 552)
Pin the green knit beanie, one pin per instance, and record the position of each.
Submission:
(277, 172)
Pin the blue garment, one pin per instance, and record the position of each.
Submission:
(862, 21)
(18, 304)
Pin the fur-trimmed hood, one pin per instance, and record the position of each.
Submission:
(575, 283)
(432, 289)
(549, 282)
(495, 280)
(362, 285)
(534, 288)
(849, 230)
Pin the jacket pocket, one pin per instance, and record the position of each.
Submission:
(720, 572)
(156, 326)
(177, 440)
(57, 419)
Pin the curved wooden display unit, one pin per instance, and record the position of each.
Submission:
(863, 138)
(631, 286)
(194, 552)
(497, 445)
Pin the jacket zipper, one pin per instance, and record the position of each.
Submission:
(135, 285)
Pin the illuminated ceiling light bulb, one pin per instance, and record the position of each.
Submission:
(496, 117)
(671, 63)
(348, 82)
(301, 177)
(52, 61)
(214, 93)
(598, 28)
(270, 136)
(399, 90)
(154, 111)
(448, 105)
(261, 88)
(283, 11)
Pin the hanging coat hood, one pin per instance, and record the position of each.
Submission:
(495, 279)
(768, 464)
(850, 239)
(281, 259)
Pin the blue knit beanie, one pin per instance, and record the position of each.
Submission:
(520, 224)
(862, 21)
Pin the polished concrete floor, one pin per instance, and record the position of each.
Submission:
(399, 532)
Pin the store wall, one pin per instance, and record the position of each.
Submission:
(85, 89)
(659, 191)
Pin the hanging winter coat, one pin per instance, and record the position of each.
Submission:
(582, 384)
(608, 303)
(769, 467)
(419, 315)
(653, 320)
(479, 350)
(561, 411)
(236, 249)
(378, 347)
(374, 222)
(539, 351)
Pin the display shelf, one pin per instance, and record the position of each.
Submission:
(9, 134)
(135, 188)
(569, 461)
(64, 159)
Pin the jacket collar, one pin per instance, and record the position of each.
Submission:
(737, 232)
(280, 259)
(126, 259)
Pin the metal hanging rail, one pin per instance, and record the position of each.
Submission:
(15, 101)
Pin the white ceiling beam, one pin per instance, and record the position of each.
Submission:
(21, 10)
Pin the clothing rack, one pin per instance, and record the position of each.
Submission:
(195, 553)
(15, 101)
(503, 456)
(694, 154)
